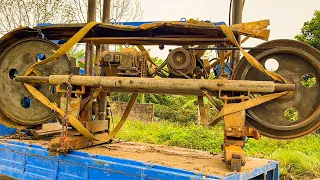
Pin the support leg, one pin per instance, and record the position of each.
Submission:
(234, 140)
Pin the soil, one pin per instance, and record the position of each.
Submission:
(193, 160)
(4, 177)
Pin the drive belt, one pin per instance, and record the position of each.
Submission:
(236, 107)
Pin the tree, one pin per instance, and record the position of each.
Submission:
(121, 10)
(14, 13)
(310, 32)
(29, 13)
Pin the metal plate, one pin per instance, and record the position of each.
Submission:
(18, 57)
(295, 60)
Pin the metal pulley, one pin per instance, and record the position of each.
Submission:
(181, 61)
(16, 103)
(297, 113)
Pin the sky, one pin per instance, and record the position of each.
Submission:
(286, 16)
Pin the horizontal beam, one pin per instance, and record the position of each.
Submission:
(155, 40)
(164, 85)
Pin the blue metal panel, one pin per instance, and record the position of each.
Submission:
(6, 131)
(149, 22)
(138, 23)
(32, 162)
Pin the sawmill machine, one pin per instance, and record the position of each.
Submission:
(40, 83)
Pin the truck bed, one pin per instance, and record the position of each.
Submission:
(127, 159)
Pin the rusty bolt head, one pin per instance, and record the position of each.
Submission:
(239, 129)
(229, 129)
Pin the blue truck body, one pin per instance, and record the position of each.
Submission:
(32, 162)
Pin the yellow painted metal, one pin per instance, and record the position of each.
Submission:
(255, 29)
(232, 108)
(228, 32)
(123, 118)
(88, 104)
(73, 121)
(228, 53)
(65, 47)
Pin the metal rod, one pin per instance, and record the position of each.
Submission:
(106, 11)
(202, 117)
(154, 40)
(161, 86)
(236, 19)
(32, 79)
(213, 102)
(96, 70)
(91, 16)
(164, 84)
(102, 101)
(283, 87)
(228, 48)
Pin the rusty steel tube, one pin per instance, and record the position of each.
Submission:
(237, 7)
(165, 84)
(102, 100)
(171, 84)
(91, 16)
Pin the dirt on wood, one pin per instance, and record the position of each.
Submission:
(182, 158)
(4, 177)
(193, 160)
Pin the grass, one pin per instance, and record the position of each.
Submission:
(299, 158)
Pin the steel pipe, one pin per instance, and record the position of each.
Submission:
(91, 16)
(237, 6)
(102, 100)
(165, 84)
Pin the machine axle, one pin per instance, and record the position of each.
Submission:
(162, 86)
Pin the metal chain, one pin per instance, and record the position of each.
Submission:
(65, 119)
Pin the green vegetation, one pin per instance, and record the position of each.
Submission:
(310, 82)
(291, 115)
(299, 158)
(182, 109)
(310, 32)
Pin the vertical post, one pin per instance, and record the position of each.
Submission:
(102, 101)
(202, 118)
(96, 70)
(236, 19)
(106, 11)
(91, 16)
(89, 53)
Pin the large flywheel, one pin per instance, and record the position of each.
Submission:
(296, 114)
(15, 101)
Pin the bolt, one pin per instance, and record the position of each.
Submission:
(239, 129)
(229, 129)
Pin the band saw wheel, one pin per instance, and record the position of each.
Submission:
(298, 113)
(16, 103)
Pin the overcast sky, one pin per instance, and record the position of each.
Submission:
(286, 16)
